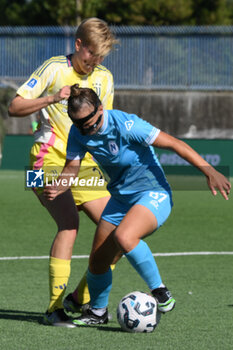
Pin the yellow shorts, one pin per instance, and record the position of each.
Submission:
(90, 183)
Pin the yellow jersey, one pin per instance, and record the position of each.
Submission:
(47, 80)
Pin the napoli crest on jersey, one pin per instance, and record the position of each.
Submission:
(113, 148)
(32, 83)
(129, 124)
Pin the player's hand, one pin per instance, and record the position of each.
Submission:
(51, 192)
(63, 93)
(217, 181)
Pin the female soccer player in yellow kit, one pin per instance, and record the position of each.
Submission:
(47, 91)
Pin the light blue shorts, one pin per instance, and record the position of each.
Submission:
(158, 202)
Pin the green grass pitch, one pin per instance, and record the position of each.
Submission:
(201, 284)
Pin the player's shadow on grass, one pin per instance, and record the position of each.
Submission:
(110, 329)
(37, 317)
(102, 328)
(17, 315)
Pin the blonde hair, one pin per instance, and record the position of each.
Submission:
(96, 33)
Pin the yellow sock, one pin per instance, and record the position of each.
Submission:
(59, 273)
(82, 292)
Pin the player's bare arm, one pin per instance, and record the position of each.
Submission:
(62, 184)
(215, 179)
(21, 107)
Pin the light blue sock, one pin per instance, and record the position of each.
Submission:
(144, 263)
(99, 288)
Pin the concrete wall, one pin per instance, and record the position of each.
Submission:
(18, 126)
(182, 114)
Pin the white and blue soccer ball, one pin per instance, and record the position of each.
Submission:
(137, 312)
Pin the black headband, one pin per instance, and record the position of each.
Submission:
(80, 122)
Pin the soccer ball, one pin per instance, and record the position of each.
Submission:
(137, 312)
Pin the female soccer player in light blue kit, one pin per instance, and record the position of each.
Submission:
(141, 198)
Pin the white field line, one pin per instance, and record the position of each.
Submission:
(42, 257)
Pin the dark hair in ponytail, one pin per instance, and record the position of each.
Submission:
(79, 97)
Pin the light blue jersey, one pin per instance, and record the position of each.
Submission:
(122, 148)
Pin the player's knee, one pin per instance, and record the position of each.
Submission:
(63, 244)
(66, 238)
(120, 237)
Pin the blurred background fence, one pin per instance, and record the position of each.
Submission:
(164, 58)
(178, 78)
